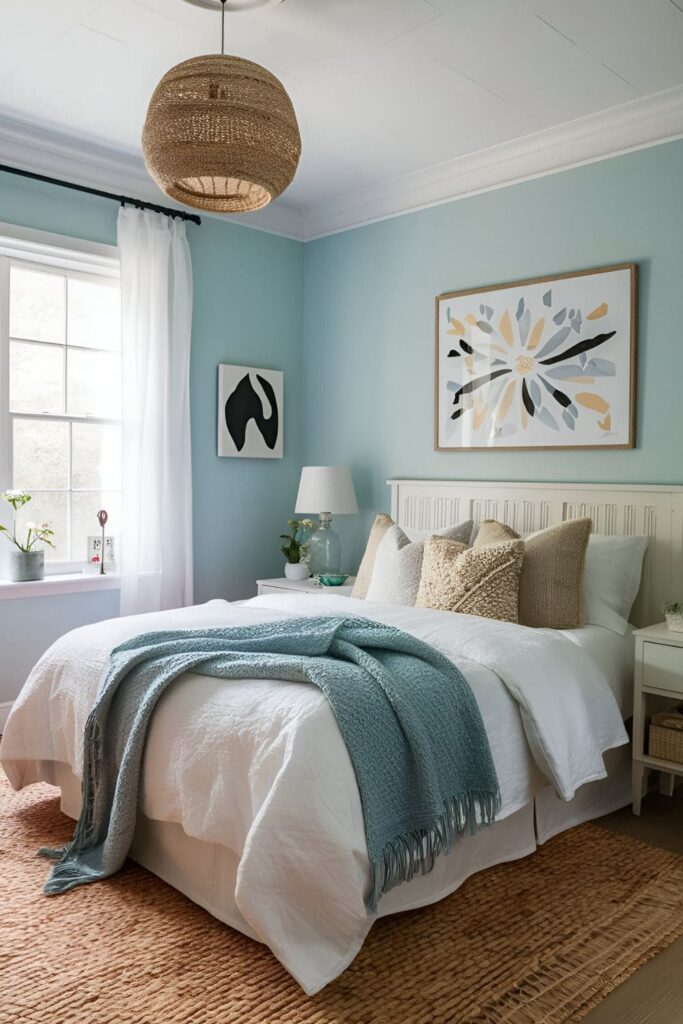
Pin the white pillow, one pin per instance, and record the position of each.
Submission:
(398, 564)
(611, 578)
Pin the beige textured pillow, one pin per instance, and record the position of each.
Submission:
(382, 523)
(474, 581)
(551, 588)
(492, 532)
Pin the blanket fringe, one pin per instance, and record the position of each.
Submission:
(69, 872)
(68, 875)
(414, 852)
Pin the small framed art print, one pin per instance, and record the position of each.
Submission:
(250, 412)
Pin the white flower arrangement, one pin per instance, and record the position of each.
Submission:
(296, 548)
(35, 533)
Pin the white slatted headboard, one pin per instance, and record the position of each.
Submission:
(656, 511)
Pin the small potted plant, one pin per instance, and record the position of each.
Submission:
(674, 616)
(296, 548)
(27, 562)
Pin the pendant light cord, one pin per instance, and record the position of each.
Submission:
(223, 2)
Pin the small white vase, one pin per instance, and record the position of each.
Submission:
(674, 622)
(296, 570)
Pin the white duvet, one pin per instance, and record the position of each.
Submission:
(260, 767)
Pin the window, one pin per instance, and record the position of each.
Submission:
(60, 411)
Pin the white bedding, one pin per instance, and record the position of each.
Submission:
(259, 767)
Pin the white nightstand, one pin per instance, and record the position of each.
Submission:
(309, 586)
(658, 678)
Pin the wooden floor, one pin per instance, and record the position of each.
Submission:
(654, 994)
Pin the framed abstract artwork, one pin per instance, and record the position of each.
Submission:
(250, 412)
(544, 363)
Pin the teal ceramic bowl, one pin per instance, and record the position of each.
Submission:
(329, 580)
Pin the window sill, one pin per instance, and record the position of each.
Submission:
(51, 586)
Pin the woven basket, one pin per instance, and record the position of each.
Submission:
(666, 736)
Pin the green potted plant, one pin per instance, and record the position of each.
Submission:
(296, 548)
(27, 562)
(673, 613)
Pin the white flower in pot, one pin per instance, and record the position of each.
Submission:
(296, 549)
(28, 561)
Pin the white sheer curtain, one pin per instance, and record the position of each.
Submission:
(156, 299)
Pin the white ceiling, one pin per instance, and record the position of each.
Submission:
(382, 88)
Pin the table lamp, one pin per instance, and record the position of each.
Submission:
(325, 491)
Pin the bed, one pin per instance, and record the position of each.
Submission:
(254, 814)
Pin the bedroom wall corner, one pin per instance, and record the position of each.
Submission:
(369, 323)
(248, 310)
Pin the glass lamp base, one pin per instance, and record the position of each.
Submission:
(324, 548)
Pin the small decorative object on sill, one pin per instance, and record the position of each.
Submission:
(674, 616)
(296, 548)
(96, 557)
(102, 517)
(27, 563)
(666, 736)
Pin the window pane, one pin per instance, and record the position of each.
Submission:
(41, 455)
(94, 314)
(95, 456)
(84, 524)
(93, 384)
(37, 305)
(48, 507)
(36, 378)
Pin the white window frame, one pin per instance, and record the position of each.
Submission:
(58, 253)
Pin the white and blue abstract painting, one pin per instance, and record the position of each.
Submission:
(547, 363)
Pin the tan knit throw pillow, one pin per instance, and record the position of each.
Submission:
(382, 523)
(474, 581)
(492, 532)
(551, 588)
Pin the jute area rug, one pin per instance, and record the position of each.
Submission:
(537, 941)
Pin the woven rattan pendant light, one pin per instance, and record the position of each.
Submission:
(221, 133)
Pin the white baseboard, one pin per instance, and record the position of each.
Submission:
(4, 713)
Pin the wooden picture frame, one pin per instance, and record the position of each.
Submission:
(580, 395)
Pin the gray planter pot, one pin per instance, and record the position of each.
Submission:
(26, 565)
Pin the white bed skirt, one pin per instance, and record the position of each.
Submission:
(207, 872)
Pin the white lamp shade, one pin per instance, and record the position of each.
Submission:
(326, 489)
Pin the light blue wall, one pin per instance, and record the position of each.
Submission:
(247, 310)
(369, 322)
(248, 293)
(359, 390)
(29, 626)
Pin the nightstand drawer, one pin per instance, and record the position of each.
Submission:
(663, 667)
(263, 588)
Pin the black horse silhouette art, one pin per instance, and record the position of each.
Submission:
(245, 404)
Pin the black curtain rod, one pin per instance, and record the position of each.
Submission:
(140, 204)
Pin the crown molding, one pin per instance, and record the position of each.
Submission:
(644, 122)
(46, 151)
(635, 125)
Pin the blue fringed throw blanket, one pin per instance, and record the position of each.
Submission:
(408, 717)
